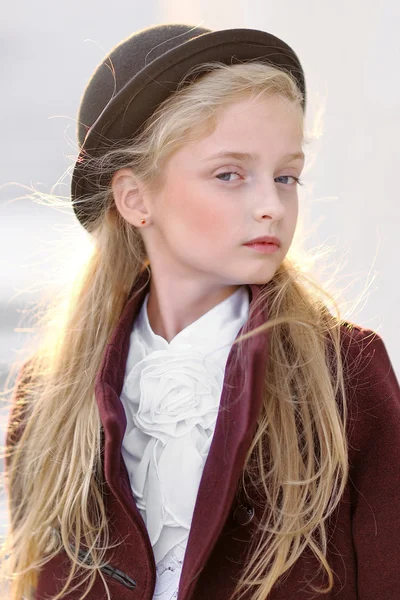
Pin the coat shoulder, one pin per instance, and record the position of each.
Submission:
(372, 388)
(365, 356)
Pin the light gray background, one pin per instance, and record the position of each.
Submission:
(349, 50)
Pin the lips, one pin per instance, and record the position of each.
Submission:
(266, 239)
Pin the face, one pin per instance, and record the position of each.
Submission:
(210, 206)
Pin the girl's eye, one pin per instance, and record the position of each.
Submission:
(227, 173)
(297, 179)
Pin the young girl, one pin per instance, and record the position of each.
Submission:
(196, 424)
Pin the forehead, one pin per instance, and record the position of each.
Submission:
(251, 126)
(263, 112)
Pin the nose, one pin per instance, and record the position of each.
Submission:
(269, 205)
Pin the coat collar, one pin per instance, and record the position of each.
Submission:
(242, 394)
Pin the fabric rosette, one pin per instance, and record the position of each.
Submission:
(175, 391)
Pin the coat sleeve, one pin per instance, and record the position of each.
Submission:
(374, 457)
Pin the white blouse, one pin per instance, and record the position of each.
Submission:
(171, 396)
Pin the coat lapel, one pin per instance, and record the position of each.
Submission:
(234, 431)
(240, 406)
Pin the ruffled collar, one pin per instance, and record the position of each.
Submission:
(171, 396)
(208, 332)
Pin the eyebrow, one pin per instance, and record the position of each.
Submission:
(248, 156)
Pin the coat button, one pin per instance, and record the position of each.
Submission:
(244, 514)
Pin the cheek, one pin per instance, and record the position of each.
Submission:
(291, 224)
(198, 216)
(291, 211)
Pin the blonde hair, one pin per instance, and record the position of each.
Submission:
(55, 475)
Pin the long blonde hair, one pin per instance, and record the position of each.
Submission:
(54, 471)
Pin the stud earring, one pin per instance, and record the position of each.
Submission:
(143, 221)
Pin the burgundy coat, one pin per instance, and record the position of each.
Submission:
(364, 538)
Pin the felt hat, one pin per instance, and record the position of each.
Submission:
(142, 71)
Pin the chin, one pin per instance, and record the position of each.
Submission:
(258, 279)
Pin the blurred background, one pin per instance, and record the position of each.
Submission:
(350, 201)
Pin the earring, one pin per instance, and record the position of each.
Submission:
(143, 221)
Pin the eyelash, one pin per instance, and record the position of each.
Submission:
(297, 179)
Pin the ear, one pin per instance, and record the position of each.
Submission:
(129, 197)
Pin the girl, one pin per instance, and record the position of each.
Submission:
(196, 424)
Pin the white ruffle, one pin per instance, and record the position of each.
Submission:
(171, 396)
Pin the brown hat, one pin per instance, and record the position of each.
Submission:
(143, 70)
